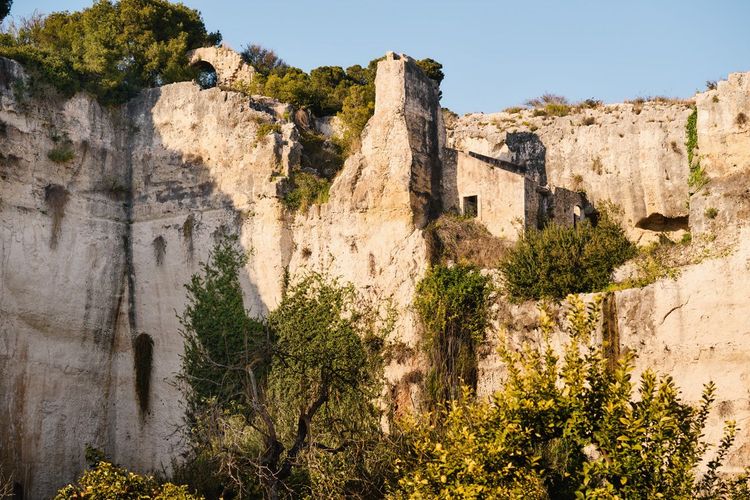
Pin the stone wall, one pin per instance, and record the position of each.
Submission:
(501, 195)
(630, 154)
(229, 65)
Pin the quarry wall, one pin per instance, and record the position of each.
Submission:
(95, 249)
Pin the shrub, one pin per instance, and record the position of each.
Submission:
(61, 153)
(697, 177)
(265, 129)
(547, 99)
(740, 119)
(324, 157)
(108, 482)
(265, 61)
(556, 261)
(453, 307)
(557, 109)
(462, 240)
(566, 425)
(711, 213)
(357, 109)
(432, 68)
(307, 190)
(652, 263)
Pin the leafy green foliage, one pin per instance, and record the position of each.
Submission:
(328, 90)
(111, 49)
(265, 129)
(264, 60)
(310, 426)
(108, 482)
(357, 108)
(5, 8)
(432, 69)
(307, 190)
(457, 239)
(697, 177)
(453, 307)
(327, 349)
(217, 331)
(62, 153)
(557, 261)
(566, 426)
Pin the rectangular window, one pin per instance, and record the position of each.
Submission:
(471, 206)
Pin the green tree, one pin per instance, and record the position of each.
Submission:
(220, 338)
(113, 49)
(566, 426)
(432, 69)
(310, 425)
(453, 307)
(265, 61)
(5, 8)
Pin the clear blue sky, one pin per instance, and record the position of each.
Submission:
(498, 54)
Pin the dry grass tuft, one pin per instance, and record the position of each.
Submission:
(460, 240)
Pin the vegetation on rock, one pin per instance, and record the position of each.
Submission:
(111, 49)
(307, 189)
(307, 423)
(697, 178)
(556, 261)
(217, 331)
(109, 482)
(463, 240)
(453, 307)
(567, 426)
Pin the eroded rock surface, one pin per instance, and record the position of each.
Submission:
(95, 247)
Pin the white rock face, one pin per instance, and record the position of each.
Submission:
(95, 251)
(149, 191)
(369, 232)
(60, 290)
(631, 155)
(724, 127)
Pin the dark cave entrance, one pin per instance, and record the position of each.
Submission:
(206, 76)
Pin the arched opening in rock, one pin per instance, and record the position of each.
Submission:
(661, 223)
(206, 76)
(578, 214)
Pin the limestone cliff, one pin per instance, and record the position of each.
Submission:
(106, 213)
